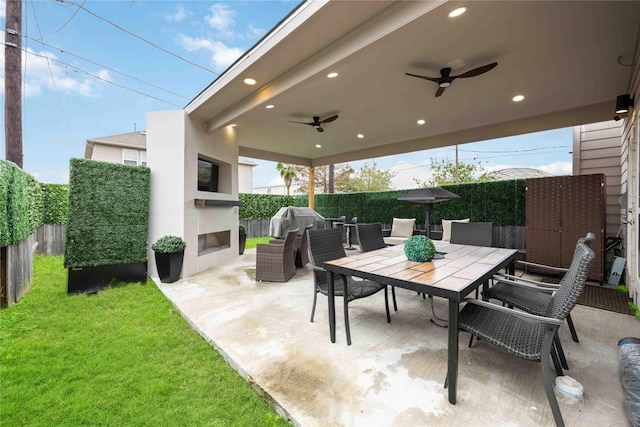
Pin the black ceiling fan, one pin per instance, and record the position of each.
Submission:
(317, 122)
(445, 79)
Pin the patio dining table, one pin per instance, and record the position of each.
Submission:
(463, 269)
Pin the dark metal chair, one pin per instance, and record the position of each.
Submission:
(472, 233)
(530, 295)
(275, 262)
(530, 336)
(371, 238)
(326, 245)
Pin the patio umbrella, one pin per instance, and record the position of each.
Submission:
(428, 196)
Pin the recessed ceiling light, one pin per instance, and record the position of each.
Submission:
(518, 98)
(457, 12)
(232, 125)
(332, 75)
(360, 135)
(318, 146)
(421, 122)
(249, 81)
(268, 107)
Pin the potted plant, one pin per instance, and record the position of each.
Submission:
(242, 235)
(169, 254)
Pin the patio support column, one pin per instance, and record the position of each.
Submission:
(312, 180)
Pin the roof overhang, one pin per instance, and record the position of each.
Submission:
(569, 59)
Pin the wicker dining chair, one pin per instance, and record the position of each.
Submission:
(301, 254)
(530, 336)
(530, 295)
(275, 262)
(371, 238)
(326, 245)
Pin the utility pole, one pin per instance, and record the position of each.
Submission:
(13, 82)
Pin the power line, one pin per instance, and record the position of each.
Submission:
(81, 6)
(102, 79)
(105, 67)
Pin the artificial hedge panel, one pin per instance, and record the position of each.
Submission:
(262, 206)
(500, 202)
(56, 203)
(108, 218)
(23, 205)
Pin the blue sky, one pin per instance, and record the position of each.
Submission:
(95, 68)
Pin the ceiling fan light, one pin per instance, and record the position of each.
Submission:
(444, 84)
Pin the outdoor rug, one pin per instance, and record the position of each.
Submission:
(605, 298)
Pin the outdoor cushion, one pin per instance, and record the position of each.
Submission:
(446, 227)
(401, 230)
(401, 227)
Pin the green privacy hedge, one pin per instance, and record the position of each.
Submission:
(500, 202)
(108, 214)
(55, 199)
(21, 198)
(262, 206)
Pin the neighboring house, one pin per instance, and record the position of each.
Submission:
(125, 148)
(131, 149)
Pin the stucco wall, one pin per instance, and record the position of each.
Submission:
(174, 141)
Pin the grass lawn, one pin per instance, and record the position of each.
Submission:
(253, 241)
(122, 357)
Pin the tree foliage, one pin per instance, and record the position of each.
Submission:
(342, 174)
(288, 173)
(370, 178)
(444, 173)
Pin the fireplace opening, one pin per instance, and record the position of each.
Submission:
(212, 242)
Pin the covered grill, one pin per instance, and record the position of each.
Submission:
(291, 217)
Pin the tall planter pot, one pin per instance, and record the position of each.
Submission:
(243, 242)
(169, 266)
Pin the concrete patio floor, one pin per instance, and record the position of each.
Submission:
(392, 374)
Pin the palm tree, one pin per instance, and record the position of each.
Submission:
(287, 172)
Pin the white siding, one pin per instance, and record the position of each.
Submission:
(105, 153)
(629, 184)
(596, 149)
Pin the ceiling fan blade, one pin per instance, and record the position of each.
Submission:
(432, 79)
(319, 129)
(440, 91)
(329, 119)
(478, 71)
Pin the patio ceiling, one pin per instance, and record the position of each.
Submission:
(569, 59)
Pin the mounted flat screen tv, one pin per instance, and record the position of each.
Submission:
(207, 176)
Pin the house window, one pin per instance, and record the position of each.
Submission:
(134, 157)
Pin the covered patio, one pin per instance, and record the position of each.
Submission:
(392, 374)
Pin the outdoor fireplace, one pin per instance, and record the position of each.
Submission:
(212, 242)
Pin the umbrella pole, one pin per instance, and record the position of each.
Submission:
(427, 221)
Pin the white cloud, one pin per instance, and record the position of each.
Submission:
(255, 32)
(221, 55)
(179, 15)
(406, 173)
(221, 19)
(3, 8)
(558, 168)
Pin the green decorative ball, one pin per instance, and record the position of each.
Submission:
(419, 249)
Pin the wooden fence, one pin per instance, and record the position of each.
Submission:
(51, 239)
(16, 271)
